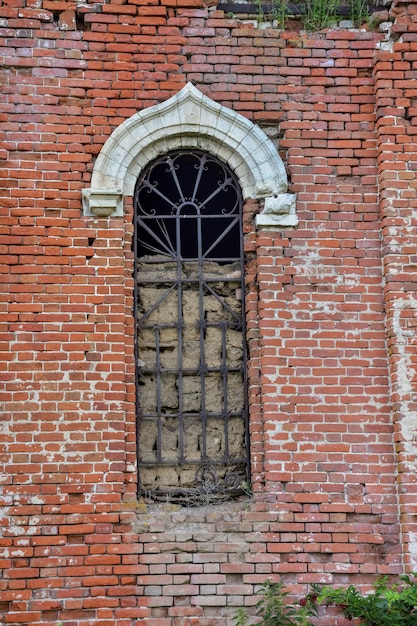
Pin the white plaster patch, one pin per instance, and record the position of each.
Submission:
(275, 428)
(36, 500)
(404, 365)
(413, 550)
(405, 388)
(311, 263)
(16, 530)
(348, 280)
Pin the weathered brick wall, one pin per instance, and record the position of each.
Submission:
(395, 74)
(327, 399)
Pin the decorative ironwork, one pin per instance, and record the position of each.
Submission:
(189, 311)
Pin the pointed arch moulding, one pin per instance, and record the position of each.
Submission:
(189, 120)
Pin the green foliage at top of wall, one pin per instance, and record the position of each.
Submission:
(315, 15)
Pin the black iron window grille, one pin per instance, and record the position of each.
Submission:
(190, 335)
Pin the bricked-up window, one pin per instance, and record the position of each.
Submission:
(190, 336)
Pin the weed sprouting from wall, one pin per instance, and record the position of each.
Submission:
(319, 14)
(314, 15)
(359, 12)
(278, 12)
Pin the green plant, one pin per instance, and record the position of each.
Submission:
(246, 488)
(319, 14)
(315, 14)
(359, 12)
(388, 605)
(277, 11)
(260, 11)
(273, 609)
(280, 12)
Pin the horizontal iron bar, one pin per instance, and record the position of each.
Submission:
(223, 463)
(192, 415)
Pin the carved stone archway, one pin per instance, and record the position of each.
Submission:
(191, 120)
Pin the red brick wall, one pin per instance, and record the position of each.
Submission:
(328, 400)
(395, 74)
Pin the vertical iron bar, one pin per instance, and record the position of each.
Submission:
(180, 331)
(136, 346)
(244, 364)
(159, 454)
(224, 370)
(202, 333)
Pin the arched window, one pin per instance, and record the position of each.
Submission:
(189, 285)
(190, 336)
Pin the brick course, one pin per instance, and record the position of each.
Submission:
(331, 316)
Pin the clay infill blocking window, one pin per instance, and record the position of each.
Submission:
(190, 335)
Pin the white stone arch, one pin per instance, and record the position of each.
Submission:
(191, 120)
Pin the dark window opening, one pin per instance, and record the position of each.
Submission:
(190, 334)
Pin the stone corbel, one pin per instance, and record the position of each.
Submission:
(102, 203)
(278, 212)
